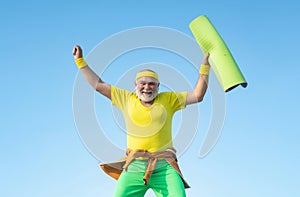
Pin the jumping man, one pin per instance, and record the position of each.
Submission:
(151, 158)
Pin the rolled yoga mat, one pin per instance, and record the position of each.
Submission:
(221, 60)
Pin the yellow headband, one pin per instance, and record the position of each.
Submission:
(147, 74)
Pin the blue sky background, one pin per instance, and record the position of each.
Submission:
(41, 151)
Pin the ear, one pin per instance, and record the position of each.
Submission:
(158, 85)
(135, 83)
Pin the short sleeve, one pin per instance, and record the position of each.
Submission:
(119, 97)
(176, 100)
(181, 97)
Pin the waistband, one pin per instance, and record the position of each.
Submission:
(115, 169)
(169, 155)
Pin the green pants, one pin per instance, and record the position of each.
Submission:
(164, 181)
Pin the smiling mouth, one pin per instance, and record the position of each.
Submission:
(149, 92)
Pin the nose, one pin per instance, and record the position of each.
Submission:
(147, 86)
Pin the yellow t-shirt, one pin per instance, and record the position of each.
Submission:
(148, 128)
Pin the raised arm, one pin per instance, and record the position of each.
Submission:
(199, 91)
(92, 78)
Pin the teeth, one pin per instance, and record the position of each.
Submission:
(148, 92)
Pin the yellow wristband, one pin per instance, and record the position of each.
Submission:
(80, 62)
(204, 69)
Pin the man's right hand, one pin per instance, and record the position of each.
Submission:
(77, 52)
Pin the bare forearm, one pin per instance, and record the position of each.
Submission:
(96, 82)
(201, 87)
(199, 91)
(91, 77)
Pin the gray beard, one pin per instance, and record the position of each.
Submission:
(146, 99)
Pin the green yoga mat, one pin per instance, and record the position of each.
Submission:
(221, 60)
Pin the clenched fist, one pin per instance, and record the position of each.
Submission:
(77, 52)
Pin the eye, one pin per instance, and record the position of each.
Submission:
(152, 84)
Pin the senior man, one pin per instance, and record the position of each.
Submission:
(151, 158)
